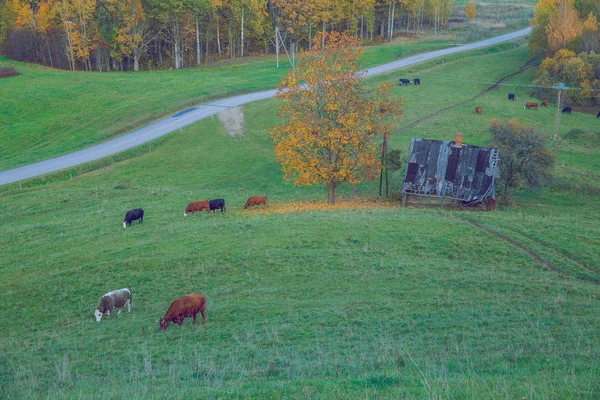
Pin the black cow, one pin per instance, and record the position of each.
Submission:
(598, 115)
(403, 81)
(417, 81)
(511, 96)
(132, 215)
(567, 110)
(216, 204)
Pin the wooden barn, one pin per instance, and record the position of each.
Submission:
(449, 173)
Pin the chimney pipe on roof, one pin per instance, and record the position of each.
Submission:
(458, 142)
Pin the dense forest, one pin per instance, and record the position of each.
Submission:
(105, 35)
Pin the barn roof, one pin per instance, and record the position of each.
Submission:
(439, 168)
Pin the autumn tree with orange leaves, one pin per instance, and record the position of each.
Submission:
(330, 122)
(564, 26)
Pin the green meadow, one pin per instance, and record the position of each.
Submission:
(45, 112)
(373, 302)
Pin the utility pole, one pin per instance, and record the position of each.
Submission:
(560, 87)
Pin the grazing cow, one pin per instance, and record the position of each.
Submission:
(403, 81)
(256, 201)
(132, 215)
(197, 206)
(531, 104)
(511, 96)
(217, 204)
(117, 299)
(478, 110)
(417, 81)
(545, 103)
(567, 109)
(186, 306)
(598, 115)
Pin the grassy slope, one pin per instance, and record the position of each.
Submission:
(373, 302)
(43, 113)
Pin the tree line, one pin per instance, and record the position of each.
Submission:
(108, 35)
(566, 34)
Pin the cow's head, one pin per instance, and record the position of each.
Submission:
(164, 324)
(124, 224)
(98, 315)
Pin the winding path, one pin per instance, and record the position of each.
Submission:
(191, 115)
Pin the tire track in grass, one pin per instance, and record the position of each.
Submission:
(531, 253)
(496, 85)
(568, 257)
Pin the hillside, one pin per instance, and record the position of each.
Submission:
(369, 300)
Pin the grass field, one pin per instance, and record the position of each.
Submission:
(372, 302)
(44, 113)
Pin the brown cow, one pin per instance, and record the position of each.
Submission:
(183, 307)
(478, 110)
(197, 206)
(545, 103)
(531, 104)
(256, 201)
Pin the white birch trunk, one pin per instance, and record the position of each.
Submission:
(197, 42)
(242, 35)
(218, 38)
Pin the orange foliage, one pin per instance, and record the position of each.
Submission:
(329, 121)
(312, 206)
(564, 25)
(470, 10)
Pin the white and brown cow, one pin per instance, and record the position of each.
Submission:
(117, 299)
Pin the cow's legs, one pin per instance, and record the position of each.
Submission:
(202, 311)
(194, 318)
(128, 303)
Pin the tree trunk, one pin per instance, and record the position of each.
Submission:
(498, 11)
(362, 24)
(277, 45)
(49, 52)
(505, 194)
(218, 38)
(392, 22)
(309, 36)
(242, 35)
(197, 42)
(331, 192)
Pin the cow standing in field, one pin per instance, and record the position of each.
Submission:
(545, 103)
(256, 201)
(117, 299)
(511, 96)
(478, 110)
(403, 81)
(217, 204)
(183, 307)
(531, 104)
(132, 215)
(417, 81)
(567, 109)
(197, 206)
(598, 115)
